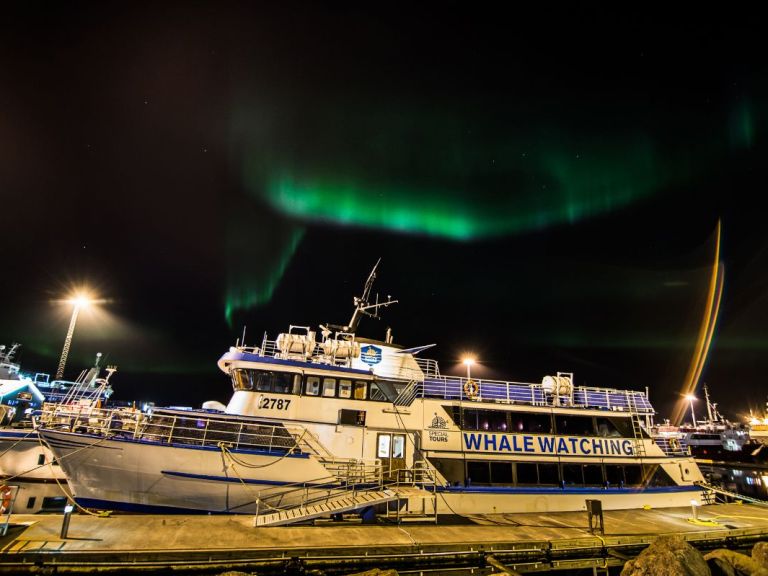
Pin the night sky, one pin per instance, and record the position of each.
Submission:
(543, 188)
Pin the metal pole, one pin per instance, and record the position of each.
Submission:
(67, 343)
(693, 418)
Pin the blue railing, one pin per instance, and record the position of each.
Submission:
(454, 388)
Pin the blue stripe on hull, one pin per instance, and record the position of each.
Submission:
(555, 490)
(231, 480)
(142, 508)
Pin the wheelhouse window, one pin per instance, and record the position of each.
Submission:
(360, 389)
(329, 387)
(345, 388)
(241, 380)
(377, 394)
(266, 381)
(312, 386)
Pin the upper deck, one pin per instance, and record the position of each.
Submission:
(421, 378)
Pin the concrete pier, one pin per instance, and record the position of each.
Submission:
(523, 542)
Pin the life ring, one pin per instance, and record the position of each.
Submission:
(471, 389)
(5, 499)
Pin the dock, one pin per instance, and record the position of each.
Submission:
(212, 544)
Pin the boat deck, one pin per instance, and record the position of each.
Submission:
(524, 542)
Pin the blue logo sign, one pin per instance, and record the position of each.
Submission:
(370, 354)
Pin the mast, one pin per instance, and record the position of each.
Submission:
(709, 406)
(362, 305)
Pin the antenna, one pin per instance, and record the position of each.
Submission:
(242, 341)
(362, 307)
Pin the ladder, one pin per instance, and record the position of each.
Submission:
(637, 428)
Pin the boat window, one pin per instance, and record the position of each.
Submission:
(657, 476)
(593, 474)
(633, 475)
(501, 473)
(312, 387)
(572, 475)
(570, 425)
(241, 379)
(526, 473)
(360, 389)
(614, 427)
(377, 395)
(614, 475)
(261, 381)
(278, 382)
(549, 475)
(478, 473)
(383, 448)
(329, 387)
(398, 446)
(529, 422)
(345, 388)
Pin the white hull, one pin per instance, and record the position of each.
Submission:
(130, 475)
(26, 464)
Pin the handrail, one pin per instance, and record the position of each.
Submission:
(193, 428)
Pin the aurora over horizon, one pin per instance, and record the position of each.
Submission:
(543, 190)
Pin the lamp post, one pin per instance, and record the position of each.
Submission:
(691, 398)
(469, 362)
(78, 303)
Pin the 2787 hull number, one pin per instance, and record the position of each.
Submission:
(272, 403)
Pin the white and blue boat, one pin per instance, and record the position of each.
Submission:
(330, 422)
(27, 465)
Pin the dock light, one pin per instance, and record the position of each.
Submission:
(469, 361)
(79, 301)
(695, 509)
(691, 398)
(65, 522)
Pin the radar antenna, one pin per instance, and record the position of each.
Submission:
(363, 307)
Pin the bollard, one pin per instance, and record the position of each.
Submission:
(595, 516)
(695, 510)
(65, 522)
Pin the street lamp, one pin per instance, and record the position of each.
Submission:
(78, 302)
(691, 398)
(469, 362)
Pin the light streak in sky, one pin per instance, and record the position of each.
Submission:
(706, 331)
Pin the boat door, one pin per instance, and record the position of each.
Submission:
(390, 449)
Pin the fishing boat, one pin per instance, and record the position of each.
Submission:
(330, 422)
(31, 480)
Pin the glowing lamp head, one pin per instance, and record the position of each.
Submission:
(690, 397)
(468, 361)
(80, 301)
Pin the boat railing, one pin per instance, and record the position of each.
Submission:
(169, 427)
(507, 392)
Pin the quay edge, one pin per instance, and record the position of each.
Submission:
(153, 544)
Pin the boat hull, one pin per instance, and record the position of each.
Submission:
(142, 476)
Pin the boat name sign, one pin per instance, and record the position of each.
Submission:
(559, 445)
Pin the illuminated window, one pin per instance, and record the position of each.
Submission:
(360, 390)
(313, 386)
(329, 387)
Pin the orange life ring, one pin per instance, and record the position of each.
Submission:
(471, 389)
(5, 499)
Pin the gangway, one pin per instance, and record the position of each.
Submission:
(734, 495)
(334, 505)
